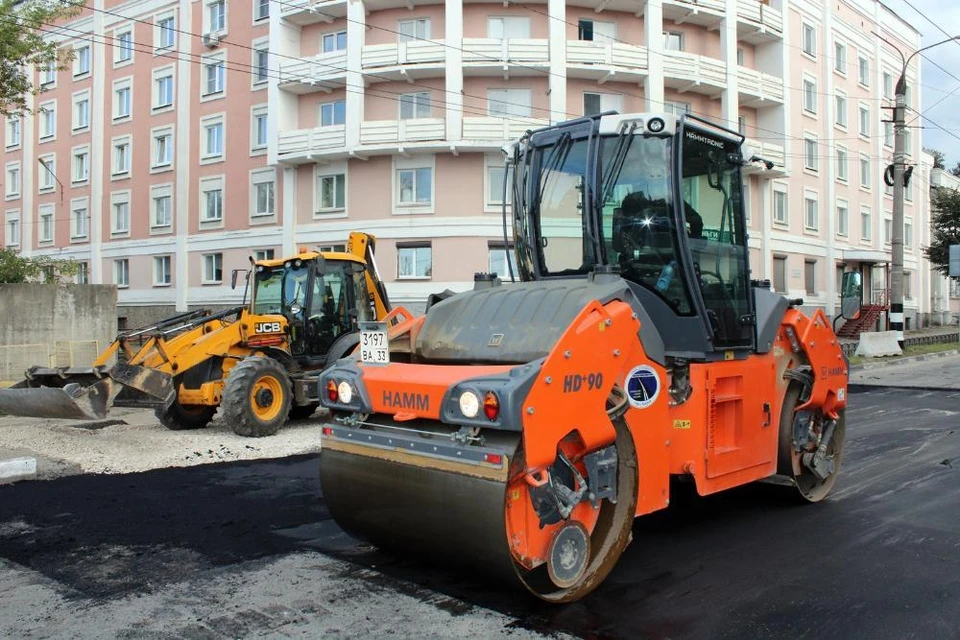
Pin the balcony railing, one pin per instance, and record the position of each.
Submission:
(492, 50)
(378, 132)
(490, 128)
(311, 11)
(694, 69)
(769, 151)
(413, 52)
(762, 86)
(614, 54)
(315, 69)
(718, 6)
(305, 142)
(762, 15)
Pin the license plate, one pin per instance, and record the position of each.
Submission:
(374, 348)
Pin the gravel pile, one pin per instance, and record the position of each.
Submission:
(133, 440)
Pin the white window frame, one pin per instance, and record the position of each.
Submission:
(12, 228)
(158, 192)
(79, 231)
(841, 116)
(401, 164)
(75, 152)
(414, 25)
(46, 211)
(329, 173)
(123, 84)
(48, 75)
(162, 271)
(492, 202)
(121, 273)
(509, 256)
(866, 230)
(908, 234)
(508, 24)
(868, 184)
(83, 273)
(258, 10)
(417, 245)
(780, 188)
(844, 174)
(210, 184)
(211, 260)
(863, 70)
(79, 98)
(259, 46)
(509, 102)
(811, 163)
(12, 180)
(810, 95)
(863, 120)
(223, 18)
(120, 171)
(78, 60)
(118, 199)
(13, 138)
(48, 110)
(263, 254)
(208, 124)
(335, 39)
(157, 165)
(840, 57)
(810, 196)
(47, 173)
(887, 134)
(887, 231)
(331, 107)
(418, 103)
(886, 84)
(808, 31)
(673, 36)
(606, 101)
(258, 111)
(216, 60)
(159, 74)
(843, 230)
(159, 31)
(262, 177)
(118, 47)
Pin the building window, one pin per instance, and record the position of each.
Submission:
(497, 260)
(13, 132)
(121, 272)
(331, 192)
(841, 109)
(811, 213)
(887, 230)
(843, 219)
(263, 254)
(415, 261)
(504, 103)
(809, 95)
(415, 186)
(780, 206)
(336, 41)
(740, 56)
(81, 111)
(13, 228)
(162, 149)
(418, 29)
(212, 268)
(46, 223)
(211, 200)
(496, 175)
(261, 9)
(79, 220)
(594, 31)
(120, 222)
(121, 101)
(742, 125)
(124, 47)
(810, 276)
(161, 207)
(83, 273)
(214, 77)
(121, 157)
(840, 58)
(810, 159)
(48, 120)
(12, 186)
(415, 105)
(258, 128)
(261, 68)
(217, 15)
(506, 27)
(676, 108)
(81, 61)
(908, 285)
(48, 74)
(262, 193)
(673, 40)
(163, 90)
(864, 120)
(865, 224)
(907, 235)
(594, 103)
(213, 138)
(888, 134)
(333, 113)
(161, 271)
(166, 32)
(887, 85)
(780, 274)
(863, 71)
(864, 172)
(47, 173)
(809, 40)
(842, 164)
(81, 165)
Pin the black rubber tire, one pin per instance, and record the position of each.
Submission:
(237, 402)
(303, 411)
(178, 417)
(808, 488)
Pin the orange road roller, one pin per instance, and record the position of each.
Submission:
(521, 427)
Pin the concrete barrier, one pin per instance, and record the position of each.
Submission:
(878, 343)
(13, 469)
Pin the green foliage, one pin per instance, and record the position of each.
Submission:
(22, 44)
(939, 160)
(15, 269)
(945, 224)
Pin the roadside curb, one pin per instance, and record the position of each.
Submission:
(14, 469)
(907, 360)
(857, 387)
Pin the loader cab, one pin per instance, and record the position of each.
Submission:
(658, 198)
(321, 299)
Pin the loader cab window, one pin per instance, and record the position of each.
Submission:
(713, 202)
(278, 289)
(337, 304)
(639, 221)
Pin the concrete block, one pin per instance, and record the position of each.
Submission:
(878, 343)
(13, 469)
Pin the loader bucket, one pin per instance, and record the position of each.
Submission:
(92, 402)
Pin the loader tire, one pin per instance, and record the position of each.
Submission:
(303, 411)
(256, 397)
(183, 417)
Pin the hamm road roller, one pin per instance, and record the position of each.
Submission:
(520, 428)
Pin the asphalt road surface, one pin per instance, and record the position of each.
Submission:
(247, 549)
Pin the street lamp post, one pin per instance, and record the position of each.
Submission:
(896, 241)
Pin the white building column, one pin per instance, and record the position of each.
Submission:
(730, 97)
(182, 192)
(28, 169)
(99, 158)
(288, 176)
(557, 30)
(829, 166)
(353, 100)
(454, 69)
(653, 37)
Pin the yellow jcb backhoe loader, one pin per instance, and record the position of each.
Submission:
(258, 361)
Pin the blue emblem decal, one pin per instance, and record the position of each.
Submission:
(643, 386)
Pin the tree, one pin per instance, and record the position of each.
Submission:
(945, 227)
(939, 161)
(23, 25)
(15, 268)
(956, 170)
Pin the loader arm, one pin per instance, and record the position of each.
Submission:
(363, 246)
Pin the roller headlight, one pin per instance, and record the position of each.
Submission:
(469, 404)
(656, 125)
(345, 391)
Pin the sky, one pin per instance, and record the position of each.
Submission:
(928, 17)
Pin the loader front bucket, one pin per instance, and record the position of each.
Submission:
(92, 402)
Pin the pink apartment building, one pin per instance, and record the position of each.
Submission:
(256, 127)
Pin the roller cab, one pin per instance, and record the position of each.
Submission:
(519, 428)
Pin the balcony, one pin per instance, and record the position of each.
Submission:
(499, 130)
(705, 13)
(690, 72)
(768, 151)
(759, 90)
(304, 144)
(758, 22)
(480, 55)
(303, 12)
(318, 73)
(604, 61)
(402, 60)
(394, 132)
